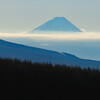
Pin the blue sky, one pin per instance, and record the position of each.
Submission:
(25, 15)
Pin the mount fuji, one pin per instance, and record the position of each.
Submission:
(57, 24)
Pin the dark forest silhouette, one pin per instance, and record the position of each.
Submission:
(27, 81)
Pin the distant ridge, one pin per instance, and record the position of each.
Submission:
(22, 52)
(57, 24)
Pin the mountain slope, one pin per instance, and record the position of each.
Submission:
(21, 52)
(58, 24)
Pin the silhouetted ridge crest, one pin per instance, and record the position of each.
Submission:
(35, 81)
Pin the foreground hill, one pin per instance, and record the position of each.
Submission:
(27, 81)
(57, 24)
(22, 52)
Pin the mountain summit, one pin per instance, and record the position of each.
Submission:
(57, 24)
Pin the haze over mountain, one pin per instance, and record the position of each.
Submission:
(22, 52)
(57, 24)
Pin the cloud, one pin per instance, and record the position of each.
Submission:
(61, 36)
(83, 30)
(45, 44)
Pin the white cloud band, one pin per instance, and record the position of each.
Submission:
(54, 36)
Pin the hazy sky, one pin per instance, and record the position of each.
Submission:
(25, 15)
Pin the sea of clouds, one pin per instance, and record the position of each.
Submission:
(54, 36)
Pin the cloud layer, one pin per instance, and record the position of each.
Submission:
(54, 36)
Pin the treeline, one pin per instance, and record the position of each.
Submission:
(28, 81)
